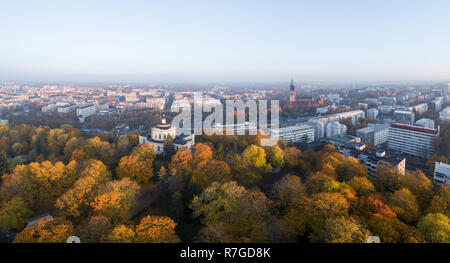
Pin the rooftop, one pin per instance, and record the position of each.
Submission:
(414, 128)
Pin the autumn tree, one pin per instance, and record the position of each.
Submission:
(156, 229)
(51, 230)
(180, 162)
(326, 205)
(314, 182)
(287, 189)
(392, 230)
(292, 157)
(95, 230)
(341, 230)
(209, 171)
(349, 168)
(121, 234)
(420, 186)
(242, 212)
(370, 205)
(75, 203)
(388, 179)
(139, 165)
(116, 200)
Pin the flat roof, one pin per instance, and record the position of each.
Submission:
(414, 128)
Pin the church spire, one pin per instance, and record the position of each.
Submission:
(292, 87)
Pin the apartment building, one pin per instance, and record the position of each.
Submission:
(414, 140)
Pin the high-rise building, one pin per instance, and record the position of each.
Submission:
(414, 140)
(292, 95)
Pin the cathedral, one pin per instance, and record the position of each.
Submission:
(292, 92)
(161, 132)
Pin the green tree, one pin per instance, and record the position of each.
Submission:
(392, 230)
(388, 179)
(17, 148)
(435, 228)
(405, 205)
(441, 201)
(14, 214)
(255, 156)
(362, 185)
(4, 163)
(276, 157)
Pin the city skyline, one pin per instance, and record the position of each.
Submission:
(261, 41)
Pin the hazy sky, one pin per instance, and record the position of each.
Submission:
(227, 40)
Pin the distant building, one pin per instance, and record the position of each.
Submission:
(85, 110)
(4, 121)
(320, 123)
(405, 117)
(319, 128)
(363, 105)
(372, 113)
(441, 173)
(427, 123)
(421, 108)
(390, 101)
(67, 108)
(322, 110)
(412, 140)
(385, 109)
(161, 132)
(339, 141)
(295, 134)
(437, 103)
(336, 128)
(292, 94)
(444, 115)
